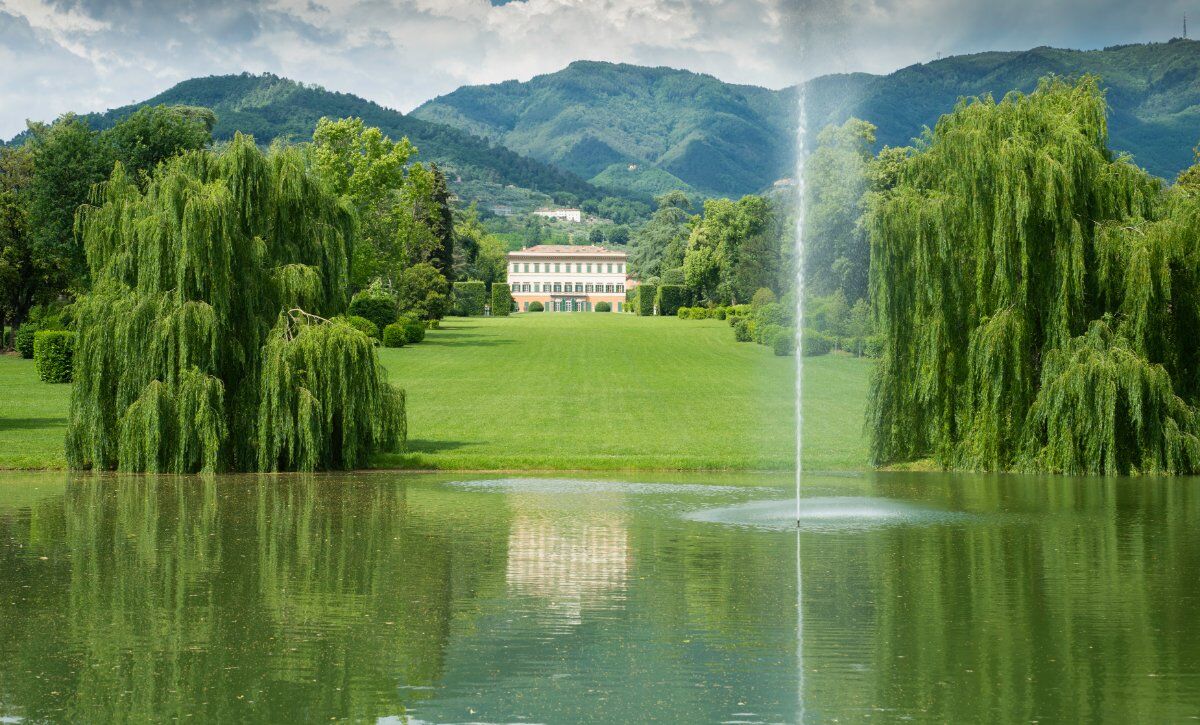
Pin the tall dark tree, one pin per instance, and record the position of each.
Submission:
(441, 224)
(153, 134)
(28, 275)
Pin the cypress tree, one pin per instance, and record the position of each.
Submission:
(182, 352)
(1038, 296)
(441, 225)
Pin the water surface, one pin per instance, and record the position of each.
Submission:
(421, 598)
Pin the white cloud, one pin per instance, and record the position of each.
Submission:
(88, 55)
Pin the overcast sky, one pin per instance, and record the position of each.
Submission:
(88, 55)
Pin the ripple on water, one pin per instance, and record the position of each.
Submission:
(826, 512)
(572, 486)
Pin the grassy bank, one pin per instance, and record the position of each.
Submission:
(565, 391)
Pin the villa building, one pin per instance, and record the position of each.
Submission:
(562, 215)
(568, 278)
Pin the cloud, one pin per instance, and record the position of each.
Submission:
(87, 55)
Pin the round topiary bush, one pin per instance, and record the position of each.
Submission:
(784, 342)
(817, 343)
(414, 329)
(23, 339)
(363, 325)
(394, 335)
(684, 313)
(53, 355)
(378, 307)
(539, 307)
(743, 331)
(600, 306)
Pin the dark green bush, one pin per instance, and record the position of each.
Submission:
(536, 306)
(469, 298)
(762, 296)
(765, 334)
(784, 342)
(743, 331)
(363, 325)
(600, 306)
(670, 299)
(23, 340)
(721, 313)
(645, 299)
(377, 306)
(502, 301)
(394, 335)
(817, 343)
(772, 314)
(414, 329)
(53, 354)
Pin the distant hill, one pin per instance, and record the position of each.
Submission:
(270, 107)
(695, 132)
(681, 129)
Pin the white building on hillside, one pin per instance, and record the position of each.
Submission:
(564, 215)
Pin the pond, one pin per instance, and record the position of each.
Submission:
(440, 598)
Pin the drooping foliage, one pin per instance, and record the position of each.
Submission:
(175, 337)
(1038, 296)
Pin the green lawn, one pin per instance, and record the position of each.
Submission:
(566, 391)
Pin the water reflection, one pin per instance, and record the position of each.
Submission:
(419, 598)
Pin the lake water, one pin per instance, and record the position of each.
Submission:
(421, 598)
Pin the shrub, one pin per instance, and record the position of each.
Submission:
(645, 299)
(536, 306)
(469, 298)
(673, 276)
(422, 291)
(394, 335)
(772, 314)
(600, 306)
(433, 324)
(762, 297)
(743, 331)
(684, 313)
(739, 310)
(53, 354)
(873, 347)
(670, 298)
(23, 339)
(765, 334)
(784, 342)
(817, 343)
(414, 329)
(362, 324)
(375, 305)
(502, 301)
(721, 313)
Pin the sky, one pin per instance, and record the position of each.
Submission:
(91, 55)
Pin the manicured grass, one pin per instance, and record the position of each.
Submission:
(566, 391)
(33, 417)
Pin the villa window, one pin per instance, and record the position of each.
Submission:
(620, 269)
(536, 267)
(610, 268)
(620, 288)
(578, 287)
(587, 287)
(578, 268)
(514, 267)
(556, 267)
(589, 269)
(527, 266)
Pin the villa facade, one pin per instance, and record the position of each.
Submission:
(568, 278)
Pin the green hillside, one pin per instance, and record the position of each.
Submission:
(270, 107)
(713, 136)
(595, 119)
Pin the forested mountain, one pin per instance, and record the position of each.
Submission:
(645, 129)
(270, 107)
(679, 129)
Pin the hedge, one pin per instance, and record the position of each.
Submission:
(378, 307)
(23, 339)
(816, 343)
(469, 298)
(784, 342)
(394, 335)
(363, 325)
(645, 299)
(536, 306)
(502, 300)
(53, 354)
(743, 331)
(670, 298)
(414, 329)
(600, 306)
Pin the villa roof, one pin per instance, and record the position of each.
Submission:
(575, 250)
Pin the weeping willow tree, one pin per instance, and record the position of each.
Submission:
(1038, 295)
(182, 353)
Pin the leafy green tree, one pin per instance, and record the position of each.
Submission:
(837, 251)
(659, 244)
(477, 254)
(68, 160)
(153, 134)
(596, 236)
(1190, 178)
(367, 170)
(422, 291)
(441, 224)
(202, 345)
(713, 266)
(619, 235)
(28, 275)
(1037, 295)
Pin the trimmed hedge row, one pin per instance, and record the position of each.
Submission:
(470, 297)
(378, 307)
(54, 355)
(23, 339)
(502, 299)
(644, 304)
(670, 298)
